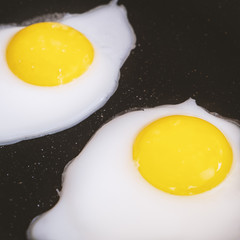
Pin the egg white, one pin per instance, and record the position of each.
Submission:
(29, 111)
(104, 197)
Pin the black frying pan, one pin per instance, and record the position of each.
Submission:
(184, 49)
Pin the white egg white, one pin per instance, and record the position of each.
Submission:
(104, 197)
(29, 111)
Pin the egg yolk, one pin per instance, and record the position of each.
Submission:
(49, 54)
(182, 155)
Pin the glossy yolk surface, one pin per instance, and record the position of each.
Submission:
(49, 54)
(182, 155)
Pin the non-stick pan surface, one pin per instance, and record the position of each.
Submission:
(184, 49)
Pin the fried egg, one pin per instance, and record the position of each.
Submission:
(55, 74)
(167, 173)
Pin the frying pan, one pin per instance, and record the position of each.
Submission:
(184, 49)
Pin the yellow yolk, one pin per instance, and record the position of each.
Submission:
(182, 155)
(49, 54)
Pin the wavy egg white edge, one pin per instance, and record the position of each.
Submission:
(30, 111)
(104, 197)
